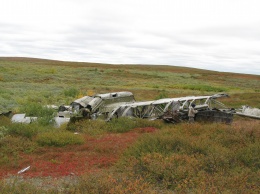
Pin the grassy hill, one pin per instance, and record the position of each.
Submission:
(125, 155)
(25, 80)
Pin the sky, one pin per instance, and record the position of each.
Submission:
(220, 35)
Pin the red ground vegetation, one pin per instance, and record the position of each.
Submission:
(96, 154)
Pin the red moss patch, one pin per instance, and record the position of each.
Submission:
(96, 154)
(146, 130)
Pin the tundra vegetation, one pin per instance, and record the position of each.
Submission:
(124, 155)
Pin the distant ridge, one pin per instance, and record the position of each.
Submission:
(155, 66)
(25, 59)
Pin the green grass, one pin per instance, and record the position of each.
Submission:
(203, 88)
(199, 158)
(54, 82)
(59, 139)
(120, 125)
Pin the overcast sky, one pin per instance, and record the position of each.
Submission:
(221, 35)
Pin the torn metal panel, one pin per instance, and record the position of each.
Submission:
(220, 95)
(61, 120)
(247, 115)
(249, 112)
(20, 118)
(64, 114)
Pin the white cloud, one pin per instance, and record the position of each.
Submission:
(211, 34)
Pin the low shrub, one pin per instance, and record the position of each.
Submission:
(3, 131)
(59, 138)
(159, 143)
(149, 123)
(11, 144)
(36, 110)
(197, 158)
(71, 92)
(24, 130)
(170, 171)
(120, 125)
(98, 182)
(11, 147)
(108, 182)
(45, 115)
(249, 155)
(125, 124)
(16, 185)
(199, 87)
(162, 94)
(4, 121)
(91, 127)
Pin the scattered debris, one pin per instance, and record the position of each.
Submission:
(52, 106)
(248, 111)
(23, 170)
(122, 104)
(61, 120)
(20, 118)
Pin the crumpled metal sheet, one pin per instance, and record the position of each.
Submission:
(60, 120)
(20, 118)
(249, 112)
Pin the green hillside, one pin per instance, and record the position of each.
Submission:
(25, 80)
(124, 155)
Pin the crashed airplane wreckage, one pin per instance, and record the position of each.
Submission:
(122, 104)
